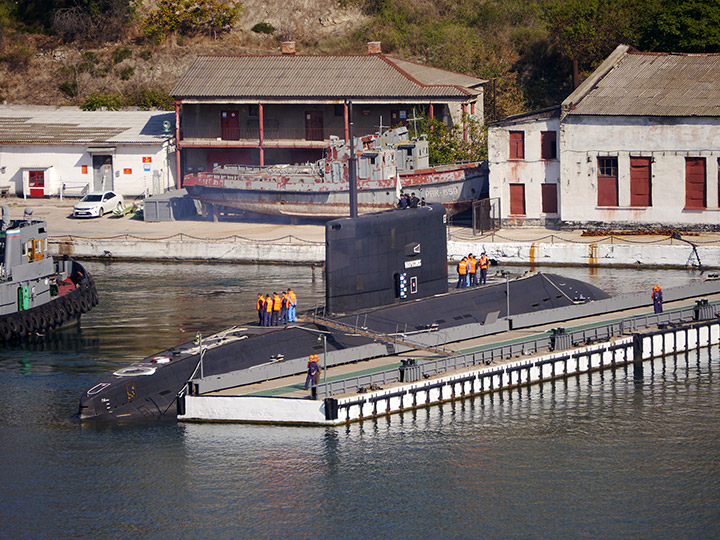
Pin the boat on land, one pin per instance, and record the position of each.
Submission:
(386, 288)
(386, 163)
(38, 293)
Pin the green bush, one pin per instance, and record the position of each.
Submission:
(190, 17)
(69, 89)
(150, 98)
(98, 100)
(126, 73)
(263, 28)
(145, 54)
(120, 54)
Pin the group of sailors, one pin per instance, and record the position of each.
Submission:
(467, 271)
(275, 309)
(410, 201)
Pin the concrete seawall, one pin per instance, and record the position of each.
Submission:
(183, 247)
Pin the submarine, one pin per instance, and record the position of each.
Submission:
(386, 279)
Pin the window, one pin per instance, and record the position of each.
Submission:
(607, 181)
(548, 145)
(695, 198)
(549, 198)
(36, 179)
(517, 199)
(640, 174)
(253, 110)
(517, 145)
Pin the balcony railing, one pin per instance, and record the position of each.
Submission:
(269, 134)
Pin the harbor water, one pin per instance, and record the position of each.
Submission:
(595, 456)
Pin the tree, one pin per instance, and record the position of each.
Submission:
(691, 26)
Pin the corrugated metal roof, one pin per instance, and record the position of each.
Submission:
(642, 84)
(39, 124)
(317, 76)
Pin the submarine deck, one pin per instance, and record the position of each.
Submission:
(293, 386)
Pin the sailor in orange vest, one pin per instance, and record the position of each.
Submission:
(484, 263)
(313, 371)
(462, 273)
(268, 310)
(260, 306)
(472, 269)
(657, 299)
(291, 305)
(277, 304)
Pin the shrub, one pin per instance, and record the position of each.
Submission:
(120, 54)
(150, 98)
(98, 100)
(145, 54)
(126, 73)
(190, 17)
(263, 28)
(69, 88)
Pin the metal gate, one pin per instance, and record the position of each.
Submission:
(486, 215)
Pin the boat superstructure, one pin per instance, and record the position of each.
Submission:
(386, 163)
(37, 293)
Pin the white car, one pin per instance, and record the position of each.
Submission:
(97, 203)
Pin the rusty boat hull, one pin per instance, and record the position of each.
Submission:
(296, 195)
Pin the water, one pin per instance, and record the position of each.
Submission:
(598, 456)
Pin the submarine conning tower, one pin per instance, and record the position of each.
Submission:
(385, 258)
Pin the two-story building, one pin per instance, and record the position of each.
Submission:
(271, 109)
(637, 144)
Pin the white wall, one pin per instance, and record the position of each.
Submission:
(64, 165)
(668, 141)
(532, 171)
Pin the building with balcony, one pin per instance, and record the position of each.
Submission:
(271, 109)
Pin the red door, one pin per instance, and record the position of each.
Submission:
(230, 125)
(640, 181)
(36, 182)
(314, 126)
(695, 183)
(517, 199)
(549, 198)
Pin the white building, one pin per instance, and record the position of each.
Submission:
(638, 145)
(54, 151)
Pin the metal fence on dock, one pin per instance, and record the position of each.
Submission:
(552, 340)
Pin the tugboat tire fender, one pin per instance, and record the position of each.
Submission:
(5, 331)
(33, 322)
(43, 319)
(84, 306)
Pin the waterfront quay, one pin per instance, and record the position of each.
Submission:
(234, 241)
(499, 362)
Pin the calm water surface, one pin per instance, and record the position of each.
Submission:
(599, 456)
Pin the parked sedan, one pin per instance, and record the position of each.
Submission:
(97, 203)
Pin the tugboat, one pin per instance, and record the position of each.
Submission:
(37, 293)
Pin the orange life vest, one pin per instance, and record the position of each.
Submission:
(260, 303)
(268, 304)
(484, 262)
(471, 263)
(277, 303)
(291, 296)
(463, 268)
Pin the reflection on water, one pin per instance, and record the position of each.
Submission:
(595, 456)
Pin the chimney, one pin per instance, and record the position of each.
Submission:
(288, 48)
(374, 47)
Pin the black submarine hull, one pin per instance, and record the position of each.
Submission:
(149, 389)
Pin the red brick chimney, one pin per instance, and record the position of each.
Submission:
(374, 47)
(288, 48)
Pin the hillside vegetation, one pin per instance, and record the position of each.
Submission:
(120, 53)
